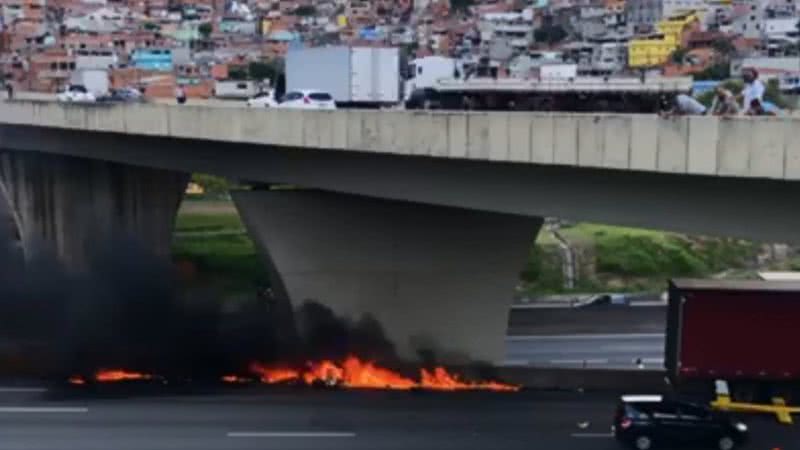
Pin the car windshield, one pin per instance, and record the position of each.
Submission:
(293, 96)
(321, 97)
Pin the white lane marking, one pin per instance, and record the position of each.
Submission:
(10, 389)
(579, 361)
(291, 434)
(43, 409)
(592, 435)
(553, 337)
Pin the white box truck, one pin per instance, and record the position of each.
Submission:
(354, 76)
(95, 80)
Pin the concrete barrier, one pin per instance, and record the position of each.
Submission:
(636, 381)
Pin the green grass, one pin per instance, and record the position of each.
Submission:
(211, 238)
(205, 222)
(633, 259)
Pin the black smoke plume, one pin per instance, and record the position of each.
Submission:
(126, 309)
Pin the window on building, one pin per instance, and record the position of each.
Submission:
(72, 65)
(53, 66)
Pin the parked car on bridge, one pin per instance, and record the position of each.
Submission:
(264, 99)
(76, 93)
(307, 99)
(645, 422)
(122, 95)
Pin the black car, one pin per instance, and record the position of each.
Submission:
(651, 421)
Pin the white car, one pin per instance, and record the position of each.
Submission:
(76, 93)
(262, 100)
(307, 99)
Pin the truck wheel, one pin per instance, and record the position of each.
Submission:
(726, 443)
(643, 443)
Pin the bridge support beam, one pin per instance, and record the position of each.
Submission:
(438, 279)
(69, 207)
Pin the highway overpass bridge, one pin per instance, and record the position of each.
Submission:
(421, 219)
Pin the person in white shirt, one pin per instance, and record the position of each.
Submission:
(180, 95)
(753, 89)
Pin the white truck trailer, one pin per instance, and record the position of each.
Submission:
(354, 76)
(557, 87)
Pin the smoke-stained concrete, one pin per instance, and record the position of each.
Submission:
(65, 205)
(439, 280)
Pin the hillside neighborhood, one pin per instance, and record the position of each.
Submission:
(157, 46)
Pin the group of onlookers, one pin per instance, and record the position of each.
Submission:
(749, 102)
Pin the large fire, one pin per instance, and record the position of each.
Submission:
(353, 373)
(356, 373)
(110, 376)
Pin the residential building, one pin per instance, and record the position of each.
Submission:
(643, 15)
(654, 50)
(97, 58)
(155, 59)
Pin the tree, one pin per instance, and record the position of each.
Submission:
(264, 71)
(678, 55)
(205, 29)
(772, 93)
(461, 5)
(211, 184)
(550, 34)
(237, 73)
(150, 26)
(719, 71)
(305, 11)
(724, 47)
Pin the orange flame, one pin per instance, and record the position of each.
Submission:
(76, 380)
(440, 379)
(235, 379)
(272, 375)
(358, 374)
(108, 376)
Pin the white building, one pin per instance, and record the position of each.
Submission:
(514, 29)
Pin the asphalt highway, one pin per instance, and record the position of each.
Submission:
(587, 350)
(607, 337)
(302, 418)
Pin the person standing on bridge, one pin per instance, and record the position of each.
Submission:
(753, 89)
(180, 95)
(9, 84)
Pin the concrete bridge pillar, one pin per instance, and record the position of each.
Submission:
(438, 279)
(70, 206)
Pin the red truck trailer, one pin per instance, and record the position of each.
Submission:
(745, 332)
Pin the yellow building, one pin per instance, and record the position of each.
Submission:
(654, 50)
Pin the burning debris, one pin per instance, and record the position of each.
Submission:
(114, 375)
(124, 312)
(358, 374)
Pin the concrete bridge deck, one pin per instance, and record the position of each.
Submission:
(766, 147)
